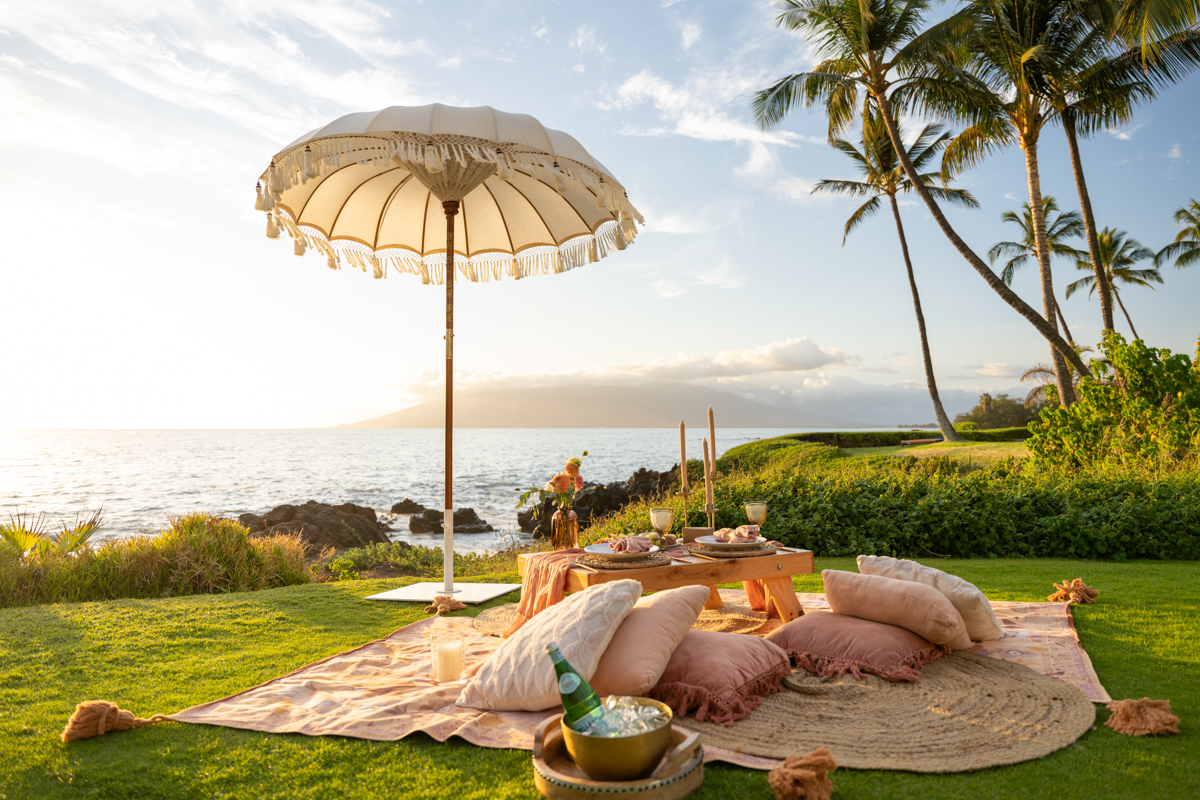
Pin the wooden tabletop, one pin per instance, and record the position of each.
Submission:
(694, 571)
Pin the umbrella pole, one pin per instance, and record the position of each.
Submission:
(451, 209)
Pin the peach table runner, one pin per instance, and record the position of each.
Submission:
(383, 691)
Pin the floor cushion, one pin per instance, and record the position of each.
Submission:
(520, 677)
(913, 606)
(640, 649)
(826, 643)
(982, 623)
(721, 677)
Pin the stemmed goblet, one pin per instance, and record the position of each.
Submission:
(756, 511)
(662, 519)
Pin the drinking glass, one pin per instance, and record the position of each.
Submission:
(756, 511)
(446, 650)
(662, 519)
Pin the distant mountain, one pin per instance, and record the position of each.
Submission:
(659, 404)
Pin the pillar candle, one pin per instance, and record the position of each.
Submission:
(448, 661)
(712, 440)
(708, 487)
(682, 457)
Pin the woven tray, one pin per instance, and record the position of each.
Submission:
(651, 560)
(712, 552)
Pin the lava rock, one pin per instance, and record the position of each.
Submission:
(465, 521)
(407, 506)
(597, 500)
(320, 525)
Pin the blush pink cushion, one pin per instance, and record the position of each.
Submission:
(913, 606)
(640, 649)
(834, 644)
(721, 677)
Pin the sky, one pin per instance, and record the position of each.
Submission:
(139, 291)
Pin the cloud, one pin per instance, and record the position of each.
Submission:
(1126, 134)
(585, 40)
(996, 370)
(790, 355)
(721, 277)
(764, 169)
(1011, 196)
(690, 34)
(14, 63)
(579, 68)
(1175, 153)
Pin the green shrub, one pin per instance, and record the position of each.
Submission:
(966, 426)
(197, 554)
(1142, 406)
(911, 508)
(426, 561)
(996, 435)
(1000, 411)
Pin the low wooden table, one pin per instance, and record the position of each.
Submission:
(774, 571)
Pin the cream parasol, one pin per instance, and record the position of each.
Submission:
(377, 190)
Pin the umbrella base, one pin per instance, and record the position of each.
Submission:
(463, 592)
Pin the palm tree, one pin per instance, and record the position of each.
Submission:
(1067, 225)
(1021, 49)
(1043, 378)
(884, 177)
(1186, 247)
(1118, 254)
(876, 47)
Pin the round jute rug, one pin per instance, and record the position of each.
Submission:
(967, 712)
(495, 621)
(730, 619)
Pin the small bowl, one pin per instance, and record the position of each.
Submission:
(623, 758)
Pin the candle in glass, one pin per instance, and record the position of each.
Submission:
(446, 654)
(682, 457)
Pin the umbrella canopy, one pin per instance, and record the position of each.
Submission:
(380, 191)
(367, 190)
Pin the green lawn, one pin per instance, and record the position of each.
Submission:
(164, 655)
(979, 454)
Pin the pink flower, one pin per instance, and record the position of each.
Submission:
(578, 482)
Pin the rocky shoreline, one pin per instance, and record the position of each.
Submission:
(344, 526)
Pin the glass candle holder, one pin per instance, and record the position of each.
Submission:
(756, 511)
(446, 652)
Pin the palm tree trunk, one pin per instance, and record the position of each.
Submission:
(1089, 223)
(943, 421)
(1062, 375)
(1126, 313)
(985, 272)
(1063, 320)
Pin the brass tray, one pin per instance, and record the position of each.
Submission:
(557, 777)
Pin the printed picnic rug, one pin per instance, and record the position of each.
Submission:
(382, 690)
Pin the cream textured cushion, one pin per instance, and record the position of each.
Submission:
(913, 606)
(519, 675)
(640, 649)
(977, 613)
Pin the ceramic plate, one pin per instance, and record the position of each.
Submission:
(602, 550)
(711, 541)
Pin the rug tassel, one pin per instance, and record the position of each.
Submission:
(804, 777)
(443, 603)
(1143, 717)
(1075, 591)
(97, 717)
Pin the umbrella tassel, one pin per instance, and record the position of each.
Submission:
(260, 202)
(272, 228)
(331, 261)
(298, 248)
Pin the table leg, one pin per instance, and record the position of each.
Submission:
(781, 599)
(714, 599)
(755, 594)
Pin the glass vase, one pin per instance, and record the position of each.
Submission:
(564, 529)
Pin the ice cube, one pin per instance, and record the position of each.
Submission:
(624, 716)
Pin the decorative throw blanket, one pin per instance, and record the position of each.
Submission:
(383, 691)
(543, 584)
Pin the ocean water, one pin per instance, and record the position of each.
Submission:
(144, 477)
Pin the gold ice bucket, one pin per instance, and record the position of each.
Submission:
(623, 758)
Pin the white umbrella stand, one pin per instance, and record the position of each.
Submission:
(368, 189)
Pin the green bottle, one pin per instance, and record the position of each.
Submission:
(581, 706)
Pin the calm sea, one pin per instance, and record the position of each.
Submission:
(143, 477)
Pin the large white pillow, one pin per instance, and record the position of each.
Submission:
(520, 677)
(977, 613)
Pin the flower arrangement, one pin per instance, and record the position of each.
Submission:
(561, 488)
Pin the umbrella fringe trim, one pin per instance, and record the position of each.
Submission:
(580, 251)
(308, 160)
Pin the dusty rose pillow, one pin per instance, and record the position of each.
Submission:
(834, 644)
(721, 677)
(913, 606)
(640, 649)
